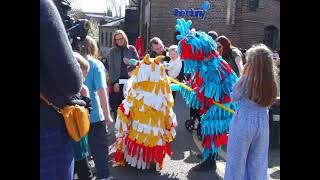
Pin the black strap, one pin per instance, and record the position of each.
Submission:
(50, 103)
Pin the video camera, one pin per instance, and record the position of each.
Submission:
(78, 29)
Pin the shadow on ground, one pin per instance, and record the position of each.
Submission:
(275, 175)
(206, 175)
(128, 173)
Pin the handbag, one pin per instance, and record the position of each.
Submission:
(76, 119)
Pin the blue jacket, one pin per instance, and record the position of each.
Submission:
(60, 74)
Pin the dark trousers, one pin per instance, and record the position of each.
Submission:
(82, 169)
(212, 157)
(99, 148)
(56, 154)
(116, 99)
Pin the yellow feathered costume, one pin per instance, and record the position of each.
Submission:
(145, 122)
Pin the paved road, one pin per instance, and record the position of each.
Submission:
(185, 149)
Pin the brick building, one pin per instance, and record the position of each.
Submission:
(244, 21)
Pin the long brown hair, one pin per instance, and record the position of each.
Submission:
(89, 47)
(226, 45)
(262, 74)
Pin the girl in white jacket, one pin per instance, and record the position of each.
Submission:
(175, 64)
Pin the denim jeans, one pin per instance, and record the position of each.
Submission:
(99, 148)
(56, 154)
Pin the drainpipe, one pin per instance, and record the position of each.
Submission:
(141, 3)
(228, 18)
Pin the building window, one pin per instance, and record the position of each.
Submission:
(110, 41)
(109, 13)
(261, 3)
(253, 5)
(102, 39)
(271, 34)
(106, 40)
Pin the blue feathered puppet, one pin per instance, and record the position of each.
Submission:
(211, 83)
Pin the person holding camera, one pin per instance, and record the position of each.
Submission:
(60, 80)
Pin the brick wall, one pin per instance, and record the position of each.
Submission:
(248, 26)
(253, 23)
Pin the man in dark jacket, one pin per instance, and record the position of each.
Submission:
(60, 80)
(158, 49)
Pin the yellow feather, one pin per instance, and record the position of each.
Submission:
(154, 140)
(153, 66)
(141, 137)
(133, 134)
(146, 59)
(162, 71)
(136, 71)
(158, 59)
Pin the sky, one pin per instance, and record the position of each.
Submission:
(101, 6)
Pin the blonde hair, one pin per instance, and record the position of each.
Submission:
(173, 48)
(89, 47)
(262, 73)
(84, 64)
(125, 38)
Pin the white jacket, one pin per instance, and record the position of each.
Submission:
(174, 67)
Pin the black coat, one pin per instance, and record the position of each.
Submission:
(60, 73)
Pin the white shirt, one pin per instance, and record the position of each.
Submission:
(126, 87)
(174, 67)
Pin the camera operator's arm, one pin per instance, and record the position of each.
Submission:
(55, 50)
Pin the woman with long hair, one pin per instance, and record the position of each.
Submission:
(256, 91)
(230, 54)
(118, 59)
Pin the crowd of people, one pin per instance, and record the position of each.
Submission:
(66, 73)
